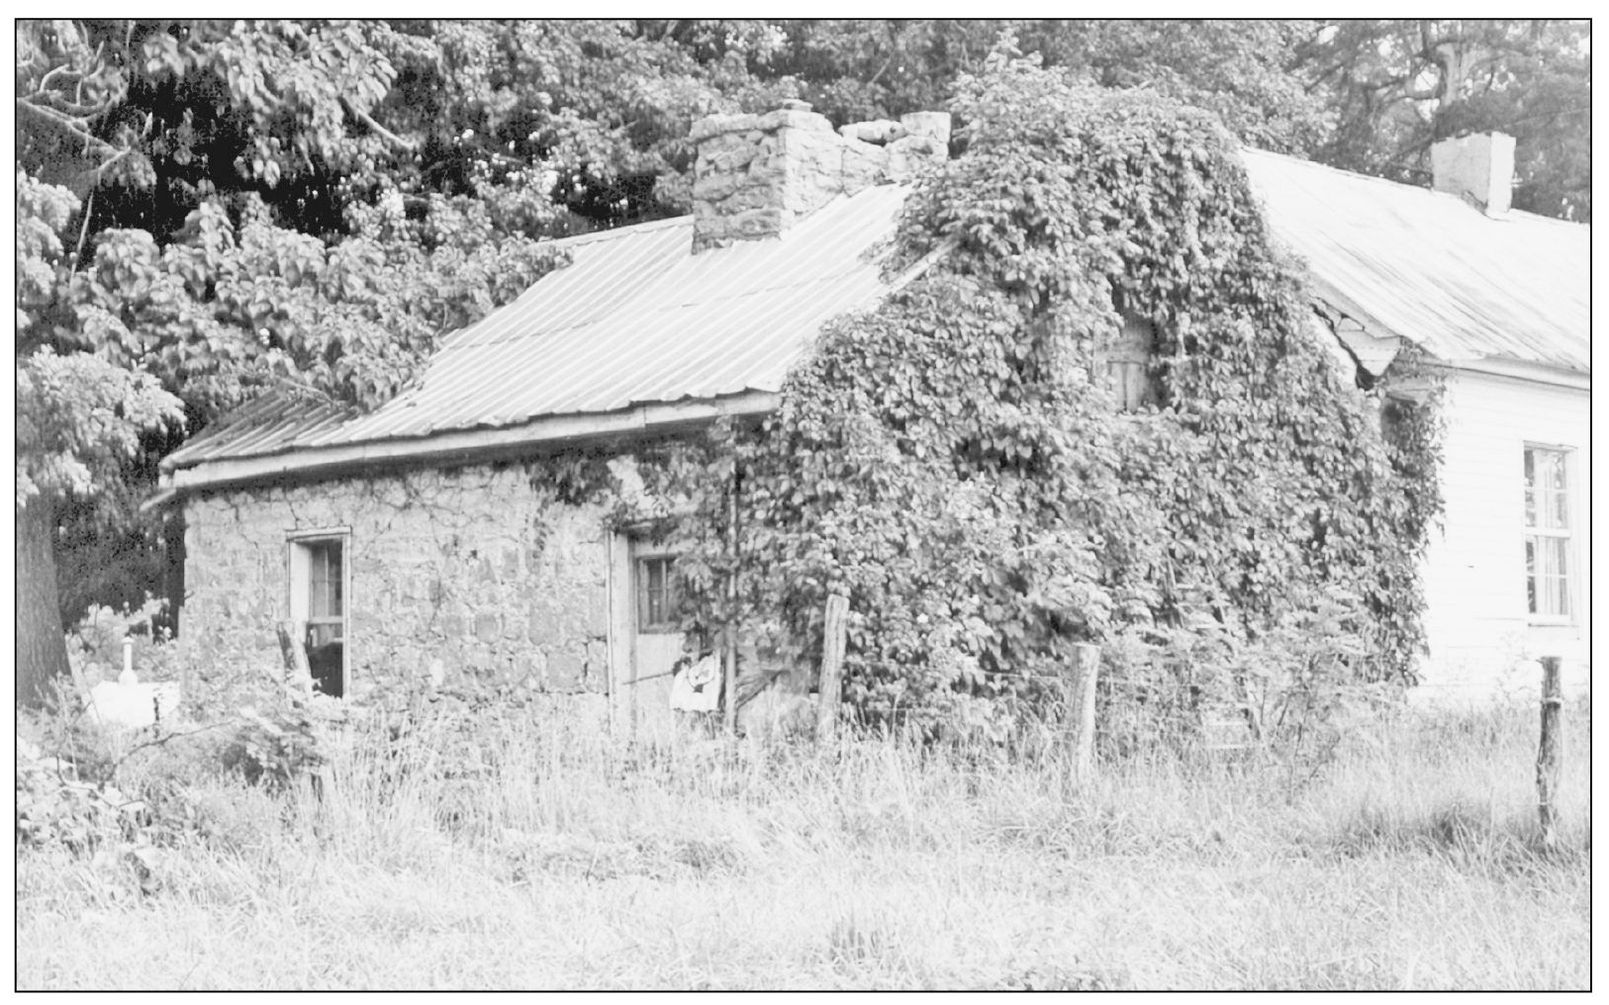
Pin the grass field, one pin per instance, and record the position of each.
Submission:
(1410, 860)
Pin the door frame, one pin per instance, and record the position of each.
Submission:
(627, 545)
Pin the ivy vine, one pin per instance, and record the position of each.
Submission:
(955, 461)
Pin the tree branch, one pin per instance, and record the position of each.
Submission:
(65, 122)
(384, 133)
(83, 230)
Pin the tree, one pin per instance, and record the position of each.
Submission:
(1243, 71)
(78, 417)
(1396, 87)
(216, 258)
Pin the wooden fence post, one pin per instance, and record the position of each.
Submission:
(296, 666)
(1080, 697)
(832, 667)
(1550, 752)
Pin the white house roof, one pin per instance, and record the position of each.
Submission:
(1428, 267)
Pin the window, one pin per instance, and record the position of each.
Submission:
(1547, 533)
(657, 599)
(1128, 365)
(318, 606)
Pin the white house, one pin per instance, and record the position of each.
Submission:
(1500, 301)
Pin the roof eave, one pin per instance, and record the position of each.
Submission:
(1513, 369)
(459, 446)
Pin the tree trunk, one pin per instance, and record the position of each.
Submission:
(41, 649)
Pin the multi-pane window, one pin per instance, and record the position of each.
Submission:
(1547, 532)
(325, 610)
(656, 594)
(318, 602)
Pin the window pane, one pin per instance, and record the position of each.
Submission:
(333, 570)
(1556, 514)
(324, 580)
(656, 592)
(1556, 470)
(1547, 575)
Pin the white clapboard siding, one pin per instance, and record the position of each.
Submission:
(1480, 633)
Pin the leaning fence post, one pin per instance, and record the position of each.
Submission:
(832, 665)
(1080, 699)
(1549, 754)
(295, 654)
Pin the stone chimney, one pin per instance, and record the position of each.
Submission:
(757, 175)
(1478, 167)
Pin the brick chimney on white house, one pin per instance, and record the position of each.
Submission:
(757, 175)
(1478, 167)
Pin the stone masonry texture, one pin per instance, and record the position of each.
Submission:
(458, 576)
(758, 174)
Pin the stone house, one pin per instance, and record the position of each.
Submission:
(421, 541)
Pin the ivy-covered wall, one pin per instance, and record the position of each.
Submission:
(464, 576)
(956, 462)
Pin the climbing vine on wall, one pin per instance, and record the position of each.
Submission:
(956, 462)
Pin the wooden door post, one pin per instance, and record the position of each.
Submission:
(830, 686)
(1550, 752)
(1080, 697)
(729, 659)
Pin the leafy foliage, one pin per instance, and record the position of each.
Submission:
(955, 462)
(1395, 87)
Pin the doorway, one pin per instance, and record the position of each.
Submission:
(648, 641)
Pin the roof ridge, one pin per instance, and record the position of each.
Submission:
(614, 233)
(1359, 175)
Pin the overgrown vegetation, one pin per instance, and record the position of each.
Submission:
(545, 854)
(956, 462)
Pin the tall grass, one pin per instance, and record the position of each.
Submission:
(551, 856)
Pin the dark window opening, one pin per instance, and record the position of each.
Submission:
(325, 614)
(658, 600)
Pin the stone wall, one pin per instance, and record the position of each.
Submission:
(456, 575)
(758, 174)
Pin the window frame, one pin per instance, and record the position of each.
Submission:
(669, 596)
(300, 547)
(1566, 534)
(1129, 362)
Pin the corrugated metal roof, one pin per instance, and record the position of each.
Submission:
(634, 318)
(1410, 263)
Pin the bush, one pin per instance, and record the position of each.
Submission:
(1206, 692)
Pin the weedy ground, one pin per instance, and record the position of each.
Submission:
(560, 859)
